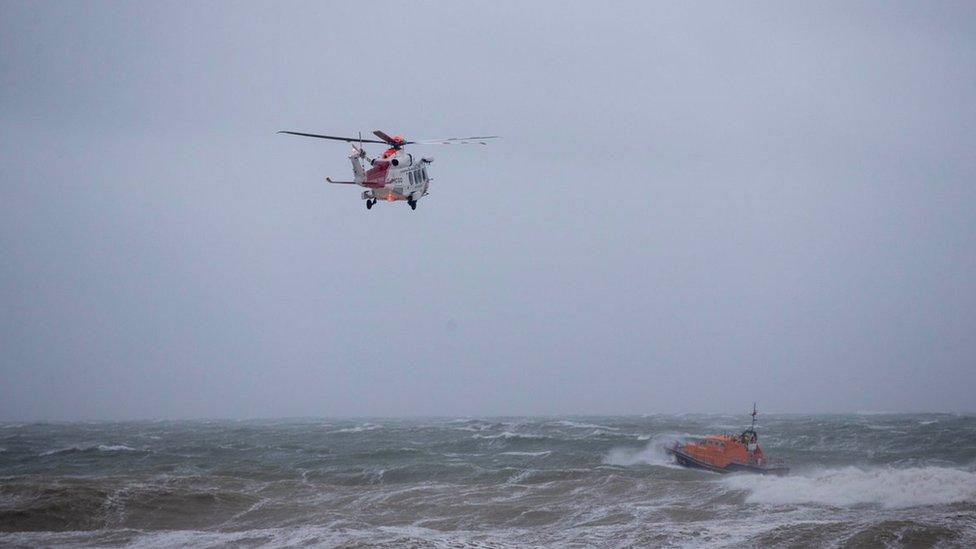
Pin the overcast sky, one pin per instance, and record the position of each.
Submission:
(691, 208)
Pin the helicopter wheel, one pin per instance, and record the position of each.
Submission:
(413, 204)
(369, 204)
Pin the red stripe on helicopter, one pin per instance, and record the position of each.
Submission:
(376, 176)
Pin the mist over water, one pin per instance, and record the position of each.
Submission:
(864, 479)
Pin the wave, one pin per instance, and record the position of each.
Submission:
(851, 486)
(509, 434)
(654, 453)
(116, 448)
(528, 454)
(544, 476)
(576, 425)
(336, 534)
(91, 448)
(359, 428)
(474, 427)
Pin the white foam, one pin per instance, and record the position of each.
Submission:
(585, 425)
(849, 486)
(529, 454)
(654, 453)
(295, 536)
(115, 448)
(474, 427)
(99, 447)
(509, 434)
(359, 428)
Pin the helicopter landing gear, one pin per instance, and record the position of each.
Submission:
(369, 204)
(413, 203)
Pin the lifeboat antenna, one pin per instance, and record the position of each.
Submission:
(754, 413)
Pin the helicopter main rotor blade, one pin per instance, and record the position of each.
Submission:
(455, 141)
(386, 138)
(335, 138)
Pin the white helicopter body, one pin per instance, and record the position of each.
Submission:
(396, 174)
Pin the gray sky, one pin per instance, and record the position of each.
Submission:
(693, 207)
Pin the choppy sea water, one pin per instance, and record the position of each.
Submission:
(858, 480)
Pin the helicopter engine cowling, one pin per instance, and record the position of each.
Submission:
(404, 160)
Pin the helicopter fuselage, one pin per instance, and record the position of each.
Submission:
(394, 176)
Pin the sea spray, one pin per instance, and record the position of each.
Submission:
(654, 452)
(887, 487)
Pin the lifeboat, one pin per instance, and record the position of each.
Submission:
(726, 453)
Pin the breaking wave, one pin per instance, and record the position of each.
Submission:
(654, 453)
(359, 429)
(889, 488)
(511, 435)
(578, 425)
(91, 448)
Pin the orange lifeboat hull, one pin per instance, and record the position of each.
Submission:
(723, 454)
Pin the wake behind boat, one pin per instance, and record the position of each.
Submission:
(726, 453)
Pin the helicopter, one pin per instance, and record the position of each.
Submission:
(395, 175)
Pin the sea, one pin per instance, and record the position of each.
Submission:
(858, 480)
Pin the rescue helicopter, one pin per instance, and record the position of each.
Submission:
(395, 175)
